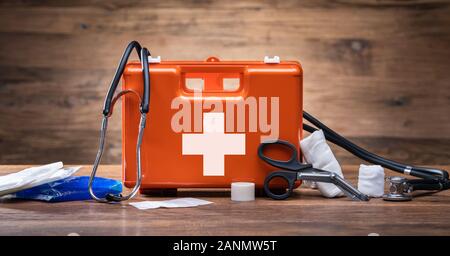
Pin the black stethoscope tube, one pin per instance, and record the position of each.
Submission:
(143, 54)
(335, 138)
(146, 92)
(372, 158)
(422, 184)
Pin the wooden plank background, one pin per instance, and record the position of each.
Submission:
(376, 71)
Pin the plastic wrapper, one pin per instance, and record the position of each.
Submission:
(34, 176)
(70, 189)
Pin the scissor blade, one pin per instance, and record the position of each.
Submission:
(349, 190)
(329, 177)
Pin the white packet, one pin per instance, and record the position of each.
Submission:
(174, 203)
(34, 176)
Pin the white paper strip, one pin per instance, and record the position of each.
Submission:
(174, 203)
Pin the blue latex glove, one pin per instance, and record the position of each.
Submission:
(70, 189)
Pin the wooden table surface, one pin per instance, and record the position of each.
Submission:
(307, 213)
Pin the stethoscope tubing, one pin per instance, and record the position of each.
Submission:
(107, 112)
(332, 136)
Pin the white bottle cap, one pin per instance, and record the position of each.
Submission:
(242, 191)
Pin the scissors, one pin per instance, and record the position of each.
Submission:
(293, 170)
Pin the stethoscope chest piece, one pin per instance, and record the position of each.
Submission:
(399, 189)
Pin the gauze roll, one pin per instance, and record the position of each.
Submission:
(317, 152)
(242, 191)
(371, 180)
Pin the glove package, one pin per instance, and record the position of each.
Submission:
(70, 189)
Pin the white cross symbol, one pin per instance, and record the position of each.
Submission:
(213, 144)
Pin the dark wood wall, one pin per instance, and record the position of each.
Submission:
(376, 71)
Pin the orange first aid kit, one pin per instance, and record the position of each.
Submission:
(206, 120)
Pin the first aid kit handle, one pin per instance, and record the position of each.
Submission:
(291, 164)
(143, 54)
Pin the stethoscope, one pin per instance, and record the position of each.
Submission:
(400, 188)
(110, 100)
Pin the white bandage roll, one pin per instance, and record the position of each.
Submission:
(242, 191)
(371, 180)
(317, 152)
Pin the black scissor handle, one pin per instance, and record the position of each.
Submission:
(288, 176)
(291, 164)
